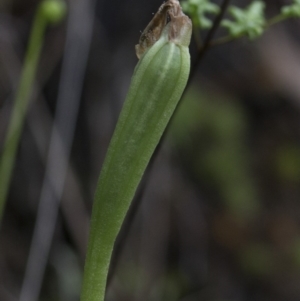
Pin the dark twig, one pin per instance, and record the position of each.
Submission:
(202, 51)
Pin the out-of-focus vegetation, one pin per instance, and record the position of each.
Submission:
(219, 216)
(213, 145)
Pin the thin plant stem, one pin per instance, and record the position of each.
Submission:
(229, 38)
(275, 20)
(20, 105)
(202, 51)
(223, 40)
(76, 52)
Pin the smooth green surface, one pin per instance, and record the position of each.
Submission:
(156, 87)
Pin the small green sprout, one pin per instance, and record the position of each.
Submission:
(291, 11)
(198, 9)
(249, 21)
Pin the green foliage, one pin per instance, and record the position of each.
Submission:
(291, 11)
(249, 21)
(198, 9)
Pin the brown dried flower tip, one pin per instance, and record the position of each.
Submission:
(169, 13)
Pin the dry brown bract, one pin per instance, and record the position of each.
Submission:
(169, 13)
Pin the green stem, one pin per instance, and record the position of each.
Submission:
(275, 20)
(20, 106)
(223, 40)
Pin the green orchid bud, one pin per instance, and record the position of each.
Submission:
(156, 87)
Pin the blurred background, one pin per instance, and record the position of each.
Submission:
(217, 216)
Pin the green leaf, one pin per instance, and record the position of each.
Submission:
(249, 21)
(291, 11)
(198, 9)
